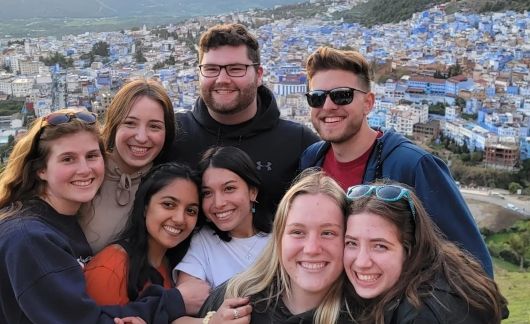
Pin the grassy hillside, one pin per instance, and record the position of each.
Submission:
(376, 12)
(515, 286)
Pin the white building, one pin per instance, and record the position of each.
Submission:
(22, 87)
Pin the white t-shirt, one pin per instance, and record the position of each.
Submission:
(211, 259)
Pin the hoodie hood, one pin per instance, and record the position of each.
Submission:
(267, 117)
(384, 147)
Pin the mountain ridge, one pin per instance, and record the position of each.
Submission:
(24, 9)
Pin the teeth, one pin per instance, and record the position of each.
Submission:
(224, 91)
(138, 150)
(223, 215)
(332, 119)
(82, 183)
(172, 229)
(363, 277)
(312, 265)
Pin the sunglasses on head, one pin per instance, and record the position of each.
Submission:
(389, 193)
(339, 96)
(58, 118)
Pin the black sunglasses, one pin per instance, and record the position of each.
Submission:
(55, 119)
(340, 96)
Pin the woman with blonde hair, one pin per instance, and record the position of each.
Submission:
(139, 127)
(42, 248)
(403, 270)
(298, 278)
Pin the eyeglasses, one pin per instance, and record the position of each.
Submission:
(340, 96)
(233, 70)
(58, 118)
(388, 193)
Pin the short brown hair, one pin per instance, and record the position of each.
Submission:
(327, 58)
(231, 35)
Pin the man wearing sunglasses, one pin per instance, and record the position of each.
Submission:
(236, 109)
(353, 153)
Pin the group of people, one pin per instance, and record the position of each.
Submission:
(206, 215)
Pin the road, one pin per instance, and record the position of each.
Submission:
(501, 198)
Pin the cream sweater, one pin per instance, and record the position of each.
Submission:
(105, 217)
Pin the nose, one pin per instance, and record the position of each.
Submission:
(84, 167)
(329, 104)
(313, 245)
(363, 259)
(218, 200)
(223, 76)
(141, 134)
(178, 216)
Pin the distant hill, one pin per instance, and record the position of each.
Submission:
(374, 12)
(23, 9)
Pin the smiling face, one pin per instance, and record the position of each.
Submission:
(312, 244)
(334, 123)
(73, 172)
(172, 213)
(230, 100)
(140, 137)
(373, 254)
(227, 201)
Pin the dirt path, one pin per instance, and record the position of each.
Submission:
(492, 216)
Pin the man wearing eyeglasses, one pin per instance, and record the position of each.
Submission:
(235, 108)
(353, 153)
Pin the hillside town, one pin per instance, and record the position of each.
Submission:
(475, 66)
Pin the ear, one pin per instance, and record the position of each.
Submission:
(259, 75)
(42, 174)
(253, 192)
(368, 102)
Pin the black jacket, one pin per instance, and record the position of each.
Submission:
(274, 144)
(261, 314)
(41, 275)
(442, 307)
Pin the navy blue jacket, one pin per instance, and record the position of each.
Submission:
(273, 143)
(41, 275)
(397, 158)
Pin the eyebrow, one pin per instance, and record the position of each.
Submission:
(177, 199)
(150, 120)
(224, 183)
(321, 225)
(377, 239)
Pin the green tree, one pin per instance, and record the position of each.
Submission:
(520, 243)
(439, 75)
(454, 70)
(513, 187)
(139, 55)
(437, 109)
(477, 156)
(170, 61)
(6, 149)
(158, 66)
(460, 102)
(57, 58)
(101, 48)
